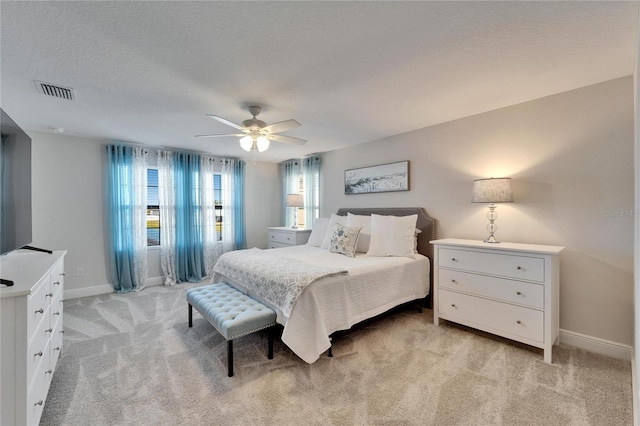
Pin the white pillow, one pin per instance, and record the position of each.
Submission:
(363, 222)
(344, 240)
(392, 235)
(342, 220)
(318, 231)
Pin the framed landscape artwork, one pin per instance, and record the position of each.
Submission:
(382, 178)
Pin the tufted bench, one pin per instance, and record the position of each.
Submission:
(232, 313)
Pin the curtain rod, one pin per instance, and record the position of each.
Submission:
(148, 147)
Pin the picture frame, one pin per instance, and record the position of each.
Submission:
(390, 177)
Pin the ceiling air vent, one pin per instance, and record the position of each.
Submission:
(55, 90)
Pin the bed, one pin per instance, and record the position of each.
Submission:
(360, 288)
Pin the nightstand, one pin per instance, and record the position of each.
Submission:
(507, 289)
(282, 236)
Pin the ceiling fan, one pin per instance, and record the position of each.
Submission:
(256, 133)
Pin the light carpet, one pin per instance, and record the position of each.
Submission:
(132, 360)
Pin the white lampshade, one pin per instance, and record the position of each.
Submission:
(246, 143)
(262, 143)
(494, 190)
(295, 200)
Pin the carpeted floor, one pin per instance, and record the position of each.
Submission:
(132, 360)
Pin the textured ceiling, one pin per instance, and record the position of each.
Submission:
(350, 72)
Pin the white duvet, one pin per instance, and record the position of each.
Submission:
(372, 286)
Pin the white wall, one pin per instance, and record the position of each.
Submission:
(570, 157)
(636, 341)
(68, 207)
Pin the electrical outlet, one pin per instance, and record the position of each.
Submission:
(80, 272)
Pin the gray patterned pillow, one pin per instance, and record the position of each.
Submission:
(344, 240)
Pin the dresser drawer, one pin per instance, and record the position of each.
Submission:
(37, 394)
(505, 265)
(286, 238)
(36, 348)
(37, 304)
(273, 244)
(57, 307)
(57, 337)
(523, 293)
(490, 315)
(57, 279)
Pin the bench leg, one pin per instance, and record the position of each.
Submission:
(230, 358)
(271, 333)
(190, 315)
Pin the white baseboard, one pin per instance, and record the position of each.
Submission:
(155, 281)
(97, 290)
(597, 345)
(88, 291)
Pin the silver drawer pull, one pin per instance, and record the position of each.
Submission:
(56, 313)
(49, 295)
(62, 331)
(48, 372)
(56, 283)
(38, 354)
(39, 403)
(40, 311)
(49, 330)
(61, 300)
(519, 293)
(518, 322)
(62, 274)
(57, 348)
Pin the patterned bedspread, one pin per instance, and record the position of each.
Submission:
(276, 279)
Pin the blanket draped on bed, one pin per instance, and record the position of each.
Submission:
(275, 279)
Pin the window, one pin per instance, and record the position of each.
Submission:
(217, 199)
(153, 209)
(300, 212)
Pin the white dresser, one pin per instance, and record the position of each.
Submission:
(31, 332)
(507, 289)
(281, 236)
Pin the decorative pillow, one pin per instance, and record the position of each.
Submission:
(318, 231)
(365, 234)
(344, 240)
(342, 220)
(415, 239)
(392, 235)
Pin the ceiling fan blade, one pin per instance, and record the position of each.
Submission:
(225, 121)
(221, 136)
(282, 126)
(287, 139)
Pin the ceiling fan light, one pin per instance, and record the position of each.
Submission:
(262, 143)
(246, 143)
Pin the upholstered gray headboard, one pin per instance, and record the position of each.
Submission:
(425, 223)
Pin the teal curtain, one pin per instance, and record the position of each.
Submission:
(238, 205)
(311, 176)
(189, 257)
(126, 217)
(290, 171)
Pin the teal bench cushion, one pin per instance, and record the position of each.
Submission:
(232, 313)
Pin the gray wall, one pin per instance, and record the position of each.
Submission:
(636, 339)
(68, 207)
(570, 157)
